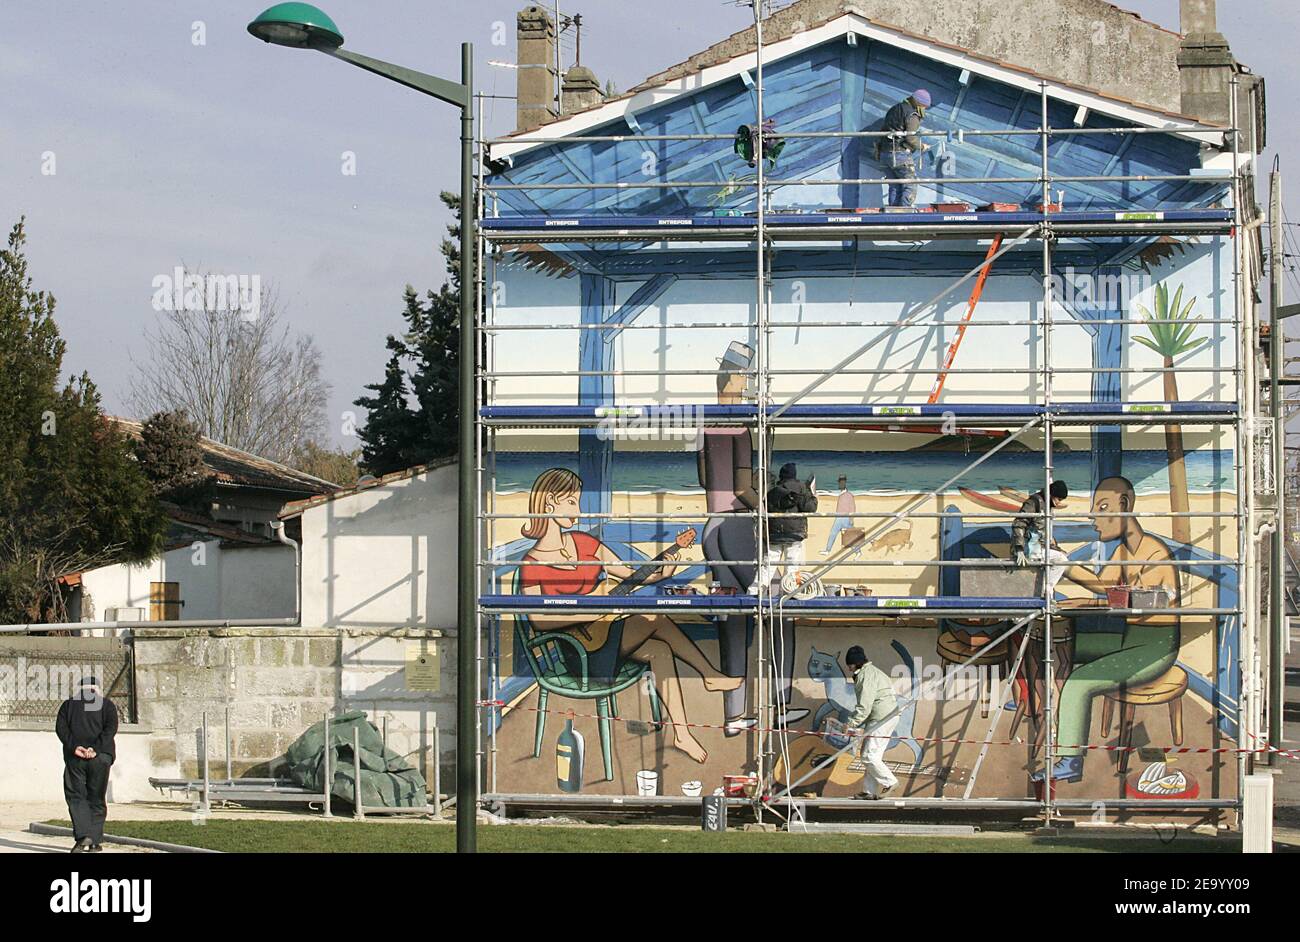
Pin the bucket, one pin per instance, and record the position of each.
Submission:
(739, 786)
(1118, 596)
(1150, 598)
(1039, 788)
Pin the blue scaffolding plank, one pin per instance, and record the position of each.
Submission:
(855, 412)
(851, 218)
(734, 603)
(1145, 408)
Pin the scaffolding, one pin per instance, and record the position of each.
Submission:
(766, 231)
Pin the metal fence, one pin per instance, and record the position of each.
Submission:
(38, 673)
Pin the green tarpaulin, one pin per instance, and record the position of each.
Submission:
(387, 780)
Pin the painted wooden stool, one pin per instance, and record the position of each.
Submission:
(1169, 688)
(1034, 673)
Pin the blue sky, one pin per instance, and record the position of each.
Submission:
(227, 155)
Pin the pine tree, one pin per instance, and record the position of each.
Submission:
(171, 456)
(397, 434)
(72, 496)
(389, 434)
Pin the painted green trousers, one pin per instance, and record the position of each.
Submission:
(1105, 662)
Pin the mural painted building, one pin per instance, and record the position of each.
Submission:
(740, 415)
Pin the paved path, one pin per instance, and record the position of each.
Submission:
(15, 841)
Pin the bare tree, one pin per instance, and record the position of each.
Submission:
(242, 376)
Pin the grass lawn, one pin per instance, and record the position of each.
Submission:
(345, 836)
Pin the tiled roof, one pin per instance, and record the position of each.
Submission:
(187, 526)
(236, 468)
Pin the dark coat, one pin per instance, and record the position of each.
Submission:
(87, 722)
(1024, 527)
(905, 118)
(790, 495)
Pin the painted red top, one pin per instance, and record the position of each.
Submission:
(561, 580)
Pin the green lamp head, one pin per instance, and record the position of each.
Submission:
(299, 25)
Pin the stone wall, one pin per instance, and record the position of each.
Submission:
(276, 682)
(1084, 42)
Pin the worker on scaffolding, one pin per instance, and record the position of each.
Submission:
(875, 718)
(897, 153)
(1027, 536)
(86, 726)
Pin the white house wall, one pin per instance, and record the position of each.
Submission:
(215, 582)
(1008, 356)
(384, 557)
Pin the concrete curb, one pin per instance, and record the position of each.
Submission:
(53, 829)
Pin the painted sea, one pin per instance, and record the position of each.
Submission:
(886, 472)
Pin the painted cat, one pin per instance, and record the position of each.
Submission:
(840, 700)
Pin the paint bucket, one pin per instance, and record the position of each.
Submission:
(1117, 596)
(1038, 790)
(647, 783)
(692, 789)
(1150, 598)
(739, 786)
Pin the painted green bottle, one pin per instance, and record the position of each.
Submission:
(568, 759)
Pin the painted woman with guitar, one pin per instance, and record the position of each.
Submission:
(564, 561)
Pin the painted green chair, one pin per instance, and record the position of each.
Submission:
(551, 671)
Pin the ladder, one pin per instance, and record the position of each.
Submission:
(975, 294)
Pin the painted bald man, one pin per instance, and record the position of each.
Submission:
(1144, 650)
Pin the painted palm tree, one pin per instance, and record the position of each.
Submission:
(1172, 328)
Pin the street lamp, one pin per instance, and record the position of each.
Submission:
(303, 26)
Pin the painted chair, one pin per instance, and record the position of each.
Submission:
(551, 671)
(952, 649)
(1166, 689)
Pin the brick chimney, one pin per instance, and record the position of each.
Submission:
(535, 32)
(581, 89)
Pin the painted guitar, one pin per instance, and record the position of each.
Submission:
(595, 633)
(645, 570)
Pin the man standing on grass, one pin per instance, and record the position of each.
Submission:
(87, 725)
(877, 711)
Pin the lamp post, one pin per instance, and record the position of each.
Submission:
(303, 26)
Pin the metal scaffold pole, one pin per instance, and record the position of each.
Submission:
(1049, 602)
(765, 636)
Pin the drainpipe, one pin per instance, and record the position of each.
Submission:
(278, 527)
